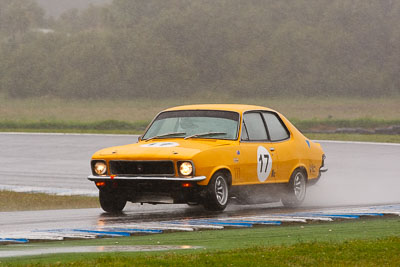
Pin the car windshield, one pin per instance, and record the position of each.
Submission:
(215, 124)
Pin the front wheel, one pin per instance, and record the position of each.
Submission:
(217, 193)
(296, 189)
(111, 201)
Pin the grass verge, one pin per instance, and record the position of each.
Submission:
(332, 124)
(130, 116)
(380, 138)
(364, 242)
(14, 201)
(121, 127)
(131, 110)
(107, 126)
(139, 126)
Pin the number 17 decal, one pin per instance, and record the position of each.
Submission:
(261, 160)
(264, 163)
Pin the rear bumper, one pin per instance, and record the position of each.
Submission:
(323, 169)
(314, 181)
(145, 178)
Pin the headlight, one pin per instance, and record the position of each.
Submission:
(186, 168)
(100, 168)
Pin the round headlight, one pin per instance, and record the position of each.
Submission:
(100, 168)
(186, 168)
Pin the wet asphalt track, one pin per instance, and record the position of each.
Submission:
(359, 174)
(53, 163)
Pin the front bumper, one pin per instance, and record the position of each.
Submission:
(146, 178)
(144, 189)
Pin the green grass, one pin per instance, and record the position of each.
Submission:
(381, 138)
(14, 201)
(139, 126)
(380, 252)
(79, 127)
(119, 127)
(131, 116)
(364, 242)
(331, 124)
(49, 109)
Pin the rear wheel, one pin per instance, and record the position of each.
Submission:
(111, 201)
(296, 189)
(217, 192)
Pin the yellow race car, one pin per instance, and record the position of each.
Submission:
(210, 155)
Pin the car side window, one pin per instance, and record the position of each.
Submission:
(255, 126)
(245, 136)
(277, 131)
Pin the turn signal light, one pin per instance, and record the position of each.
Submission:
(100, 184)
(187, 185)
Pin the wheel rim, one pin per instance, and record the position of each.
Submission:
(221, 190)
(299, 186)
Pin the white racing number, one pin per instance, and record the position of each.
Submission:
(161, 144)
(264, 163)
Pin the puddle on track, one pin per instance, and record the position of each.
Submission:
(81, 249)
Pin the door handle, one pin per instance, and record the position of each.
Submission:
(272, 149)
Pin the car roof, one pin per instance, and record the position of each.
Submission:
(229, 107)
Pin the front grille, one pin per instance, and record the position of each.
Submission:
(142, 168)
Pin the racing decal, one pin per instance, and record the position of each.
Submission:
(264, 163)
(308, 143)
(161, 144)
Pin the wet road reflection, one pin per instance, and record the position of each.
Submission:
(182, 212)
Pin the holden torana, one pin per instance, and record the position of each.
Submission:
(210, 155)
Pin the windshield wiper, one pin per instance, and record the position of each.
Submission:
(204, 134)
(165, 135)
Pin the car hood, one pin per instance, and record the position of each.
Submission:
(160, 149)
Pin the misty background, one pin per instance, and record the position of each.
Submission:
(54, 8)
(157, 48)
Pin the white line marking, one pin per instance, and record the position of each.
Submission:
(355, 142)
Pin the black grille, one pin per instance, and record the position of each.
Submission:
(142, 168)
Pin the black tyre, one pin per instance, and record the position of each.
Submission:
(296, 189)
(111, 201)
(217, 192)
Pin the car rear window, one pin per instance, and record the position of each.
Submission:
(275, 127)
